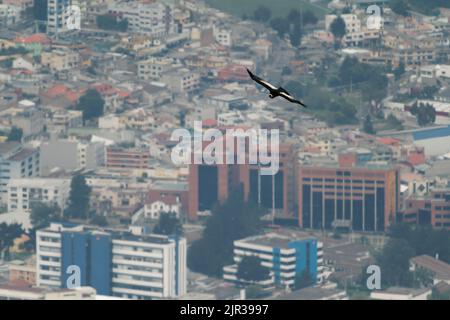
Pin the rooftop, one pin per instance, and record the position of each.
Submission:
(440, 269)
(277, 240)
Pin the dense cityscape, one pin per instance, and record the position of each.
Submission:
(103, 197)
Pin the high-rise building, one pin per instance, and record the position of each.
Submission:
(23, 193)
(212, 183)
(288, 256)
(153, 19)
(57, 15)
(432, 209)
(16, 161)
(122, 263)
(359, 199)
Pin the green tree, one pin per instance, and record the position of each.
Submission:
(42, 215)
(400, 7)
(368, 125)
(337, 28)
(234, 219)
(9, 233)
(250, 269)
(393, 122)
(294, 16)
(309, 17)
(295, 35)
(394, 263)
(168, 224)
(110, 22)
(425, 113)
(438, 295)
(91, 104)
(182, 117)
(422, 278)
(280, 25)
(262, 14)
(423, 239)
(79, 198)
(15, 134)
(99, 220)
(399, 71)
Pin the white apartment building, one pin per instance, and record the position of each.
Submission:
(352, 22)
(16, 161)
(356, 32)
(287, 256)
(60, 60)
(62, 120)
(9, 14)
(57, 15)
(182, 80)
(72, 155)
(23, 193)
(153, 69)
(154, 19)
(126, 264)
(222, 36)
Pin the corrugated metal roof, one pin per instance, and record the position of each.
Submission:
(432, 133)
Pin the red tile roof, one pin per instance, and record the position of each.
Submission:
(35, 38)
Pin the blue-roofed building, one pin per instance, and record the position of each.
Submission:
(435, 140)
(122, 263)
(287, 255)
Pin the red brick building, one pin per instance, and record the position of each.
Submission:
(124, 158)
(432, 210)
(211, 184)
(360, 199)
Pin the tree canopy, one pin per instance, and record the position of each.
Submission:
(91, 104)
(9, 233)
(15, 134)
(250, 269)
(425, 113)
(78, 198)
(262, 14)
(42, 214)
(234, 219)
(337, 27)
(368, 125)
(168, 224)
(110, 22)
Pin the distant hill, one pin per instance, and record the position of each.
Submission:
(279, 8)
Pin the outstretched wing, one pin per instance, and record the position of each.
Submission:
(290, 98)
(262, 82)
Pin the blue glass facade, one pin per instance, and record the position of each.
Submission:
(101, 256)
(74, 252)
(92, 255)
(305, 259)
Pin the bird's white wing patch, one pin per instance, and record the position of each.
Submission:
(269, 85)
(288, 96)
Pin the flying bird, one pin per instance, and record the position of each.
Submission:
(274, 91)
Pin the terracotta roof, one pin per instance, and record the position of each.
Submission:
(388, 141)
(35, 38)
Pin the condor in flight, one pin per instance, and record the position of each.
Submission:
(274, 91)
